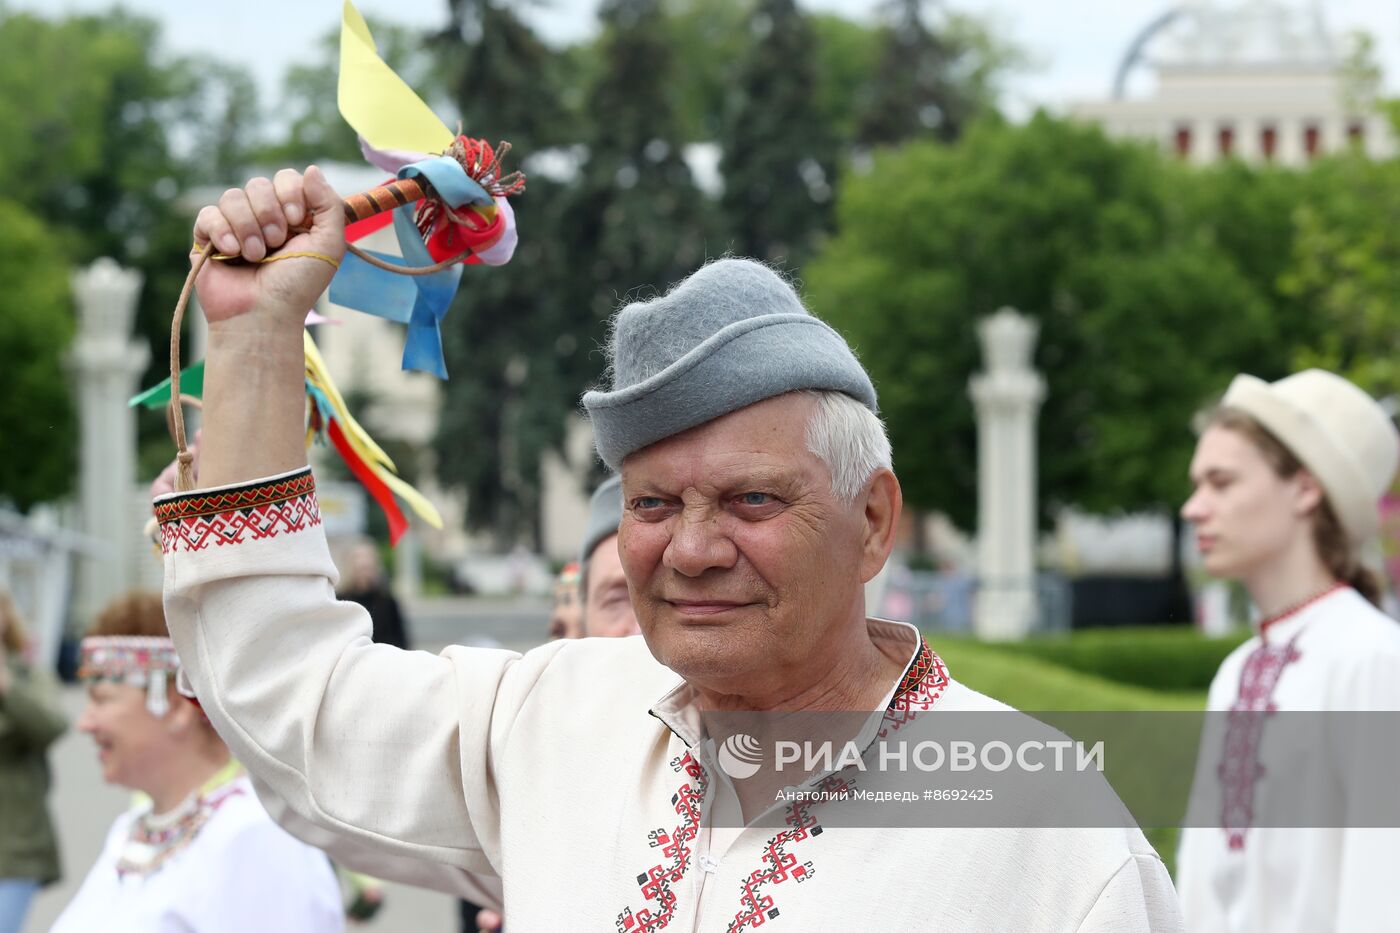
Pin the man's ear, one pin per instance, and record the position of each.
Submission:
(1309, 493)
(884, 504)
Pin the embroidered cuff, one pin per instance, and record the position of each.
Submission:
(265, 508)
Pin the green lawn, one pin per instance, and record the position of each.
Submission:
(1009, 674)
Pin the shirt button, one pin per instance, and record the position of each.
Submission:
(708, 862)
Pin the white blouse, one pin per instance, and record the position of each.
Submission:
(238, 873)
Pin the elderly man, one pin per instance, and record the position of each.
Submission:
(757, 501)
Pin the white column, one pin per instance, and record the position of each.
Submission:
(107, 364)
(1007, 398)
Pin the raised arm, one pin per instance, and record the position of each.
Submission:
(255, 367)
(388, 747)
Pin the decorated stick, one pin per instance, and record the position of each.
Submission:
(385, 198)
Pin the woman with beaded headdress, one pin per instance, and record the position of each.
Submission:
(197, 852)
(30, 721)
(1288, 477)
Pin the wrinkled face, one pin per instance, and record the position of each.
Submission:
(129, 738)
(739, 556)
(1244, 513)
(607, 609)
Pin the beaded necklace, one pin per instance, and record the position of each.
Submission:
(154, 838)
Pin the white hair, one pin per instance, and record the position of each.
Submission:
(850, 439)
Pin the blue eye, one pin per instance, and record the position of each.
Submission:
(646, 502)
(755, 498)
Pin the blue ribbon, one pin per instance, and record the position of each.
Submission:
(419, 301)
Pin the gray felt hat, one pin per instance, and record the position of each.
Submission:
(732, 334)
(604, 516)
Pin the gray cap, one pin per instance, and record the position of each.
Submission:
(604, 516)
(732, 334)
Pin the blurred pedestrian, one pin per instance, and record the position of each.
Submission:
(366, 583)
(197, 852)
(566, 615)
(1288, 477)
(30, 721)
(607, 604)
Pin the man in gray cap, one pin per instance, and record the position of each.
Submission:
(607, 606)
(593, 589)
(590, 775)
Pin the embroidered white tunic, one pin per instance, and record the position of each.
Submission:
(1338, 654)
(573, 772)
(240, 872)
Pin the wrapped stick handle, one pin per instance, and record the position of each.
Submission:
(384, 198)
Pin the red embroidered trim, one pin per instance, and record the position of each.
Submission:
(921, 687)
(231, 516)
(1265, 624)
(1239, 769)
(779, 864)
(656, 881)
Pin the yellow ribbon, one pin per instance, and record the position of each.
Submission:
(364, 447)
(376, 102)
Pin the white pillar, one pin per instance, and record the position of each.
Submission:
(107, 365)
(1007, 398)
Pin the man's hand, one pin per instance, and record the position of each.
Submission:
(255, 368)
(259, 219)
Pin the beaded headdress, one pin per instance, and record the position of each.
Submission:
(137, 660)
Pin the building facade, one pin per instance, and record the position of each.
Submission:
(1258, 80)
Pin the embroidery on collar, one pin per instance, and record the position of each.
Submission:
(920, 689)
(656, 882)
(1239, 770)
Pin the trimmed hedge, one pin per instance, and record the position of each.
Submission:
(1032, 684)
(1172, 659)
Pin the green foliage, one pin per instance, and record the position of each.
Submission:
(844, 54)
(523, 338)
(705, 38)
(505, 81)
(777, 192)
(36, 419)
(1165, 658)
(1143, 317)
(1346, 270)
(930, 81)
(87, 106)
(1023, 680)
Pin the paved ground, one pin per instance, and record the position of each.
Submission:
(84, 807)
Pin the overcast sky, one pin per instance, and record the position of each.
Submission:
(1076, 44)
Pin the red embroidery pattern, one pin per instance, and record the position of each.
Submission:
(923, 683)
(921, 687)
(1240, 769)
(231, 516)
(779, 864)
(656, 882)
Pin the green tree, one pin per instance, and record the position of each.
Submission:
(931, 80)
(1346, 270)
(779, 155)
(36, 421)
(507, 83)
(525, 340)
(88, 107)
(1143, 318)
